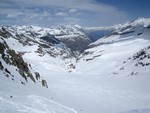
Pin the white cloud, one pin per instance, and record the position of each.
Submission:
(45, 14)
(14, 15)
(72, 19)
(73, 10)
(60, 14)
(50, 11)
(6, 11)
(88, 5)
(29, 13)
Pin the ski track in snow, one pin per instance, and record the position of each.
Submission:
(33, 104)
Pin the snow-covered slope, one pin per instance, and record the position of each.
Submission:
(72, 35)
(138, 111)
(114, 54)
(95, 33)
(128, 30)
(25, 53)
(26, 58)
(14, 67)
(28, 98)
(111, 76)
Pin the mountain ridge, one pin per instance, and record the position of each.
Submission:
(72, 44)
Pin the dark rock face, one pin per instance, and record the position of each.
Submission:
(141, 55)
(148, 27)
(77, 43)
(44, 83)
(37, 75)
(1, 66)
(50, 39)
(11, 57)
(140, 59)
(4, 33)
(15, 59)
(128, 32)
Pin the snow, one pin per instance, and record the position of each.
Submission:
(139, 111)
(82, 93)
(16, 98)
(137, 22)
(110, 56)
(96, 85)
(97, 95)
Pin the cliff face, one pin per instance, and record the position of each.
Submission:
(12, 63)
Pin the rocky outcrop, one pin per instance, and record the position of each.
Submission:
(12, 58)
(76, 43)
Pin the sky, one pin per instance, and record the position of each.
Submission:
(87, 13)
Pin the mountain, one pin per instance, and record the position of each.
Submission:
(72, 69)
(73, 36)
(124, 50)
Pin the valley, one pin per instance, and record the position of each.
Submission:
(64, 70)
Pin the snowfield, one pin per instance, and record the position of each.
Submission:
(79, 92)
(27, 99)
(111, 76)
